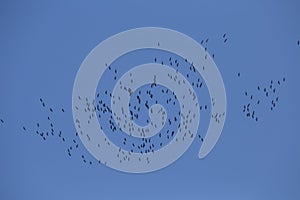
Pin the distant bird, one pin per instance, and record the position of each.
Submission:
(224, 35)
(62, 110)
(2, 121)
(298, 42)
(239, 74)
(225, 40)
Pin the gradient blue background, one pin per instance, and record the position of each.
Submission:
(42, 44)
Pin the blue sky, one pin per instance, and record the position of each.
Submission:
(43, 45)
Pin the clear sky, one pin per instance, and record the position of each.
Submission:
(42, 45)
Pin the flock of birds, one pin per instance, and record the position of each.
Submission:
(49, 128)
(141, 101)
(140, 104)
(266, 95)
